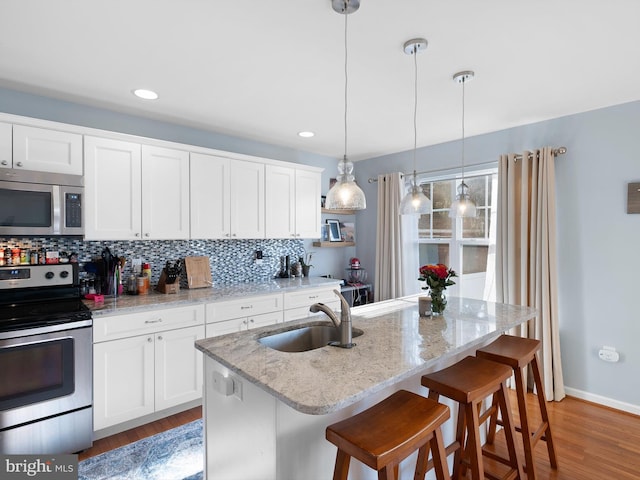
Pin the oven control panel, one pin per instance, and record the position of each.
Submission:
(29, 276)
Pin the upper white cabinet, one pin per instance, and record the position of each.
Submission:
(113, 208)
(6, 150)
(292, 203)
(210, 197)
(247, 199)
(40, 149)
(227, 198)
(165, 193)
(135, 192)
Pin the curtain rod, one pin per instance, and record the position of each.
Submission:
(555, 151)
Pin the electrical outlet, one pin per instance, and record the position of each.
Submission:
(608, 354)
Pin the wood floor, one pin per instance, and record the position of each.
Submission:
(592, 442)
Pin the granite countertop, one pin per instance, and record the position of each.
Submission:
(396, 345)
(155, 300)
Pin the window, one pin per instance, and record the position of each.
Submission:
(462, 244)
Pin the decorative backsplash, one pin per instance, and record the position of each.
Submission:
(232, 261)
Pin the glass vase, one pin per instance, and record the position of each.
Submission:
(438, 301)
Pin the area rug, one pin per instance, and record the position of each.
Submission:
(176, 454)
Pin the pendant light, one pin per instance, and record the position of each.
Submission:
(463, 206)
(415, 202)
(345, 193)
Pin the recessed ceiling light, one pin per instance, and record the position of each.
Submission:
(145, 94)
(306, 134)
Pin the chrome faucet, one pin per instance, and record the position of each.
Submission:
(344, 327)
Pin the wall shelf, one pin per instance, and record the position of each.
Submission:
(334, 244)
(338, 212)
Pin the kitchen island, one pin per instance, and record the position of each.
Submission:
(266, 411)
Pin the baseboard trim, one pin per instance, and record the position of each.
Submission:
(605, 401)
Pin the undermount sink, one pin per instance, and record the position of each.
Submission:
(304, 338)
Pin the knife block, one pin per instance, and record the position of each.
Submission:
(164, 287)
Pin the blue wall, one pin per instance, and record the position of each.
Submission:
(598, 253)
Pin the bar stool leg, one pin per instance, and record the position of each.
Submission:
(521, 388)
(542, 401)
(474, 446)
(509, 429)
(341, 470)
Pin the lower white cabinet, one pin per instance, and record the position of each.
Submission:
(297, 303)
(145, 373)
(237, 315)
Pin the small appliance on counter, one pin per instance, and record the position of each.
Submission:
(356, 275)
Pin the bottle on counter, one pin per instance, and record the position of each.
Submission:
(146, 271)
(15, 256)
(2, 259)
(142, 285)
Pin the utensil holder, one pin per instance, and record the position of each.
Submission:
(164, 287)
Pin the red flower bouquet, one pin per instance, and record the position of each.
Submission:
(438, 278)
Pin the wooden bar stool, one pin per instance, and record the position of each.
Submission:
(517, 353)
(388, 432)
(469, 382)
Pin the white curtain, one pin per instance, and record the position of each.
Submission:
(396, 247)
(526, 263)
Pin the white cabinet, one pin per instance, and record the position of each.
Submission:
(292, 203)
(113, 183)
(40, 149)
(6, 149)
(135, 192)
(227, 198)
(247, 199)
(146, 362)
(237, 315)
(297, 303)
(165, 193)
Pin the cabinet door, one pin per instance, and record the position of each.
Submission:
(307, 201)
(6, 151)
(165, 194)
(123, 380)
(210, 198)
(228, 326)
(263, 320)
(112, 189)
(47, 150)
(280, 204)
(178, 372)
(247, 199)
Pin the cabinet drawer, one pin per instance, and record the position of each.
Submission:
(246, 307)
(303, 312)
(308, 296)
(121, 326)
(242, 324)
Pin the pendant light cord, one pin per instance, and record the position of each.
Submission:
(346, 78)
(415, 109)
(463, 82)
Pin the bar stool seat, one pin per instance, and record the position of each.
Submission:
(518, 353)
(469, 382)
(388, 432)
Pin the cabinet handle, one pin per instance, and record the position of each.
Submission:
(246, 308)
(159, 337)
(153, 321)
(313, 297)
(146, 234)
(18, 164)
(137, 234)
(149, 339)
(251, 320)
(4, 162)
(226, 234)
(234, 235)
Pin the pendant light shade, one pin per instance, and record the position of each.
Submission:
(463, 206)
(345, 193)
(415, 202)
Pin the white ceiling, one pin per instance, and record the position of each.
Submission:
(266, 69)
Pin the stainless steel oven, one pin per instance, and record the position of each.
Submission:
(46, 361)
(40, 203)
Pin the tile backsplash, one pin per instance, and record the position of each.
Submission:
(232, 261)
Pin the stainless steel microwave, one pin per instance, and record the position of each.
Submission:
(40, 203)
